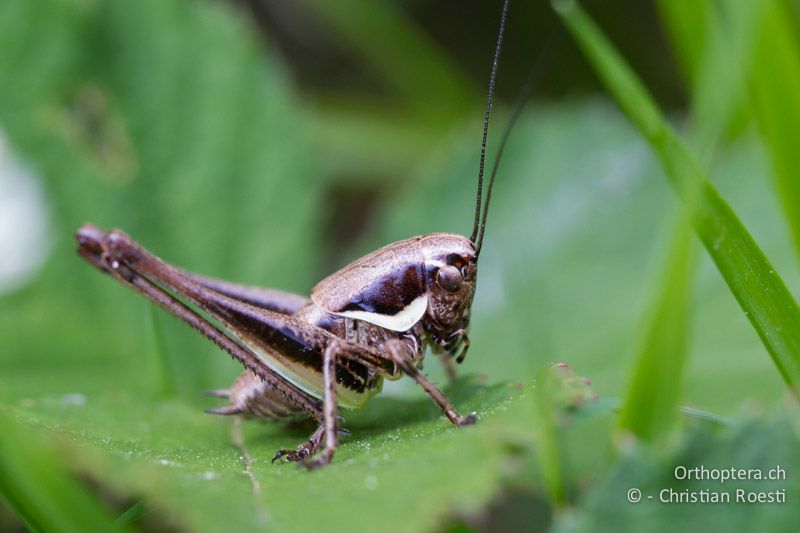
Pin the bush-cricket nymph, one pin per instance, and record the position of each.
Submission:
(372, 320)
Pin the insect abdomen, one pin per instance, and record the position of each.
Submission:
(300, 361)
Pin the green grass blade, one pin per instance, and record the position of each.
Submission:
(651, 406)
(164, 375)
(558, 398)
(759, 290)
(38, 489)
(652, 403)
(548, 438)
(718, 91)
(686, 26)
(775, 82)
(401, 53)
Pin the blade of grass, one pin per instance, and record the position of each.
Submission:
(560, 396)
(775, 80)
(715, 55)
(164, 374)
(386, 38)
(131, 515)
(759, 290)
(651, 406)
(40, 492)
(686, 24)
(548, 439)
(652, 403)
(719, 91)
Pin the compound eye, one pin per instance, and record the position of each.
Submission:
(449, 278)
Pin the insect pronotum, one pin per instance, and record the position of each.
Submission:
(371, 320)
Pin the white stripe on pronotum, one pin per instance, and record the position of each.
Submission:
(402, 321)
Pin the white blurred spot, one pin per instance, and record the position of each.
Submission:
(24, 240)
(76, 399)
(371, 483)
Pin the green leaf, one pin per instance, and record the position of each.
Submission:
(191, 466)
(756, 444)
(759, 290)
(169, 120)
(37, 487)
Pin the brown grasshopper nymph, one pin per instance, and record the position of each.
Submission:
(370, 321)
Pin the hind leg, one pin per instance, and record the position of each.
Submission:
(251, 397)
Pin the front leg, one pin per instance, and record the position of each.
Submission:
(400, 354)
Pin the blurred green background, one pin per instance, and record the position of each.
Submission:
(271, 143)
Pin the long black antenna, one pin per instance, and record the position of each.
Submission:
(488, 112)
(542, 61)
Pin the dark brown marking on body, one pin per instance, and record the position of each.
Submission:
(390, 293)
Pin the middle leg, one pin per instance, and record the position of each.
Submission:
(330, 410)
(328, 430)
(305, 450)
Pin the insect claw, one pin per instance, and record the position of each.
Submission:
(279, 455)
(468, 420)
(299, 455)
